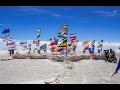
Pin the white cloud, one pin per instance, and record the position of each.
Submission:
(34, 10)
(56, 15)
(107, 13)
(31, 10)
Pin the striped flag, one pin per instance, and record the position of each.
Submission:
(72, 35)
(11, 44)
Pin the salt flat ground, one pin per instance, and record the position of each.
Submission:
(39, 71)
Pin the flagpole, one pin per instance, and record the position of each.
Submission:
(66, 46)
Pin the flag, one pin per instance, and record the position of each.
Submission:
(93, 42)
(53, 43)
(63, 44)
(118, 67)
(62, 34)
(11, 44)
(38, 36)
(43, 47)
(85, 42)
(37, 41)
(23, 42)
(72, 35)
(6, 31)
(59, 50)
(73, 40)
(65, 26)
(100, 44)
(86, 47)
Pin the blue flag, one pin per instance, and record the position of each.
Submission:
(43, 47)
(6, 31)
(23, 42)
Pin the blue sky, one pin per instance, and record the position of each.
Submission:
(89, 22)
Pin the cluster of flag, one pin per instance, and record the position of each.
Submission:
(63, 36)
(7, 36)
(24, 45)
(91, 47)
(73, 42)
(8, 39)
(53, 44)
(37, 40)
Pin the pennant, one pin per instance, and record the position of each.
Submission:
(6, 31)
(63, 44)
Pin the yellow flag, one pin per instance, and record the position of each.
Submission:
(63, 44)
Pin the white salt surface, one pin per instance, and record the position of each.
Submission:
(39, 71)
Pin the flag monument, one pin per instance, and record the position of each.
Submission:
(63, 36)
(37, 40)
